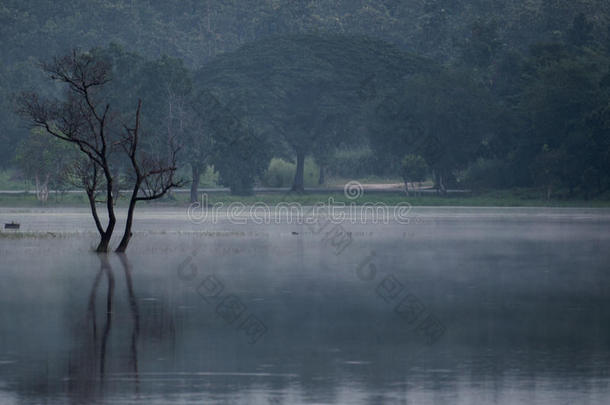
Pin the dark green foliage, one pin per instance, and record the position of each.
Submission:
(281, 173)
(305, 89)
(356, 163)
(521, 100)
(563, 103)
(237, 150)
(488, 174)
(443, 117)
(413, 168)
(483, 44)
(581, 32)
(42, 158)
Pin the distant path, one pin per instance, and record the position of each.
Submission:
(368, 188)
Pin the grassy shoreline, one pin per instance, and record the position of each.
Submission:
(498, 198)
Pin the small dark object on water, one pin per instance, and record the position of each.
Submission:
(12, 225)
(295, 233)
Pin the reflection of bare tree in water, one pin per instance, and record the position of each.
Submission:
(87, 367)
(105, 266)
(135, 314)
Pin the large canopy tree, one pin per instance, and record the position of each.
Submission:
(225, 137)
(300, 88)
(492, 39)
(442, 116)
(564, 102)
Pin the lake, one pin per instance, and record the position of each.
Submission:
(459, 305)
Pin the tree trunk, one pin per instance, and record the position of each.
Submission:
(107, 234)
(96, 218)
(196, 171)
(37, 187)
(298, 184)
(321, 176)
(42, 190)
(441, 182)
(127, 233)
(45, 188)
(116, 189)
(102, 247)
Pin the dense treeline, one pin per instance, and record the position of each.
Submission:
(501, 94)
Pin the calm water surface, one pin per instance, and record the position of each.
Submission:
(461, 306)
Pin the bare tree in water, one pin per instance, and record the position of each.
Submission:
(85, 121)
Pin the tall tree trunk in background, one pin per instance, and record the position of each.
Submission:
(298, 184)
(37, 187)
(321, 176)
(442, 185)
(439, 183)
(196, 172)
(42, 190)
(117, 186)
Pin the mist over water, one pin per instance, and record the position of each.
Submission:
(270, 314)
(298, 187)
